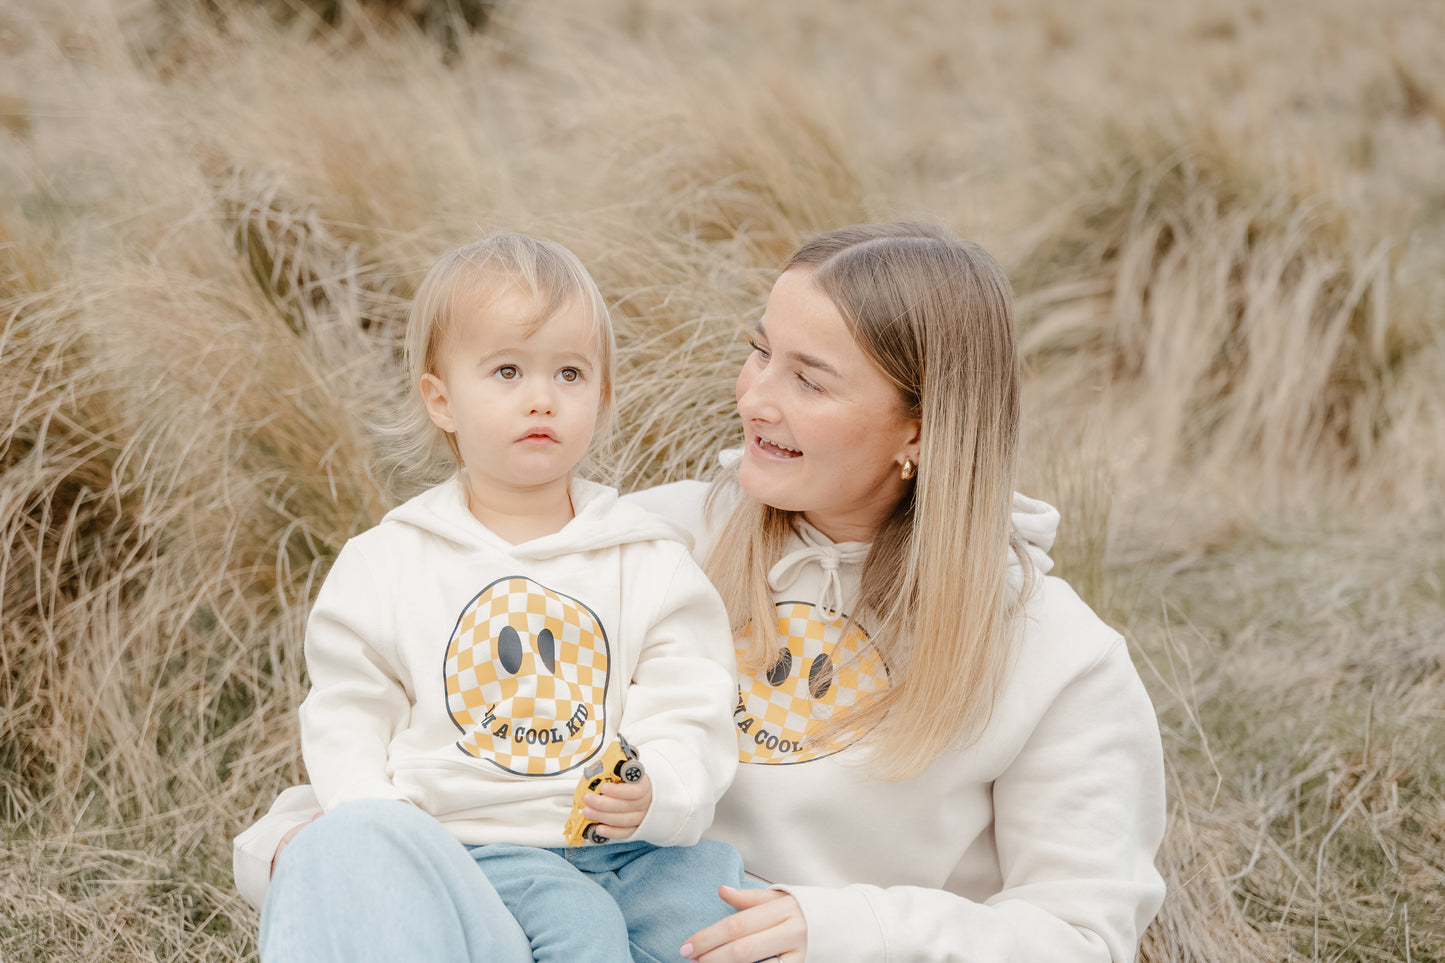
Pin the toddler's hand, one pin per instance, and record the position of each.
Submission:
(618, 807)
(286, 840)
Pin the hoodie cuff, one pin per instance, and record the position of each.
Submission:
(253, 850)
(842, 925)
(668, 818)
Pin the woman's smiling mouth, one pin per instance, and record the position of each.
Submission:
(773, 448)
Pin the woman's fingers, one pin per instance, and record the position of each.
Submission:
(748, 898)
(769, 923)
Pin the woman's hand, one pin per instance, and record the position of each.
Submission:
(768, 925)
(618, 807)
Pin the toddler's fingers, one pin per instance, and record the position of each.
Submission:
(625, 790)
(613, 812)
(614, 832)
(609, 804)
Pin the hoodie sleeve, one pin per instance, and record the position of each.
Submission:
(1079, 816)
(679, 706)
(253, 851)
(357, 702)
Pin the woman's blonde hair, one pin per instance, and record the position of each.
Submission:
(934, 313)
(468, 278)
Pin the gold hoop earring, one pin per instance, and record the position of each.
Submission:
(907, 472)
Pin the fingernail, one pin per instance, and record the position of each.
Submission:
(687, 950)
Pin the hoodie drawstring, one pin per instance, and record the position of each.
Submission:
(829, 559)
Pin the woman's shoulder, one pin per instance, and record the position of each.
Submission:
(687, 508)
(1067, 663)
(1060, 635)
(673, 501)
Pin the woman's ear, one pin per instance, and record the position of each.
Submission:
(438, 404)
(913, 443)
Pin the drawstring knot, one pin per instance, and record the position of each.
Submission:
(829, 558)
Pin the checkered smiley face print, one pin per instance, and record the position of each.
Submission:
(823, 672)
(526, 678)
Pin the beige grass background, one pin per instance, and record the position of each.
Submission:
(1225, 221)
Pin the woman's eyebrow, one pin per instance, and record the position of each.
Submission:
(807, 360)
(811, 361)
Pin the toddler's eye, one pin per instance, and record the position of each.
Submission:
(569, 375)
(508, 372)
(761, 351)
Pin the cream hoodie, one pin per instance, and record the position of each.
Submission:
(476, 678)
(1036, 843)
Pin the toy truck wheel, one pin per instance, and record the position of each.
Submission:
(590, 834)
(631, 772)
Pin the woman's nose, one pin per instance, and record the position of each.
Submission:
(756, 396)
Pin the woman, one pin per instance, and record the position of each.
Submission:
(946, 754)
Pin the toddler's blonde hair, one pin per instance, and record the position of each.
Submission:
(463, 279)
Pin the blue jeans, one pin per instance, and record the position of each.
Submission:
(379, 880)
(618, 903)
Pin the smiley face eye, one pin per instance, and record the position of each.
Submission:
(547, 649)
(510, 654)
(509, 649)
(780, 670)
(820, 676)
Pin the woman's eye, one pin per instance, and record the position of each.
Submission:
(761, 351)
(810, 386)
(508, 372)
(569, 375)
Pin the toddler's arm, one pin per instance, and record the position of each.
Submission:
(357, 702)
(253, 852)
(680, 703)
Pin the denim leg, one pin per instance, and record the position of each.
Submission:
(667, 893)
(566, 915)
(379, 880)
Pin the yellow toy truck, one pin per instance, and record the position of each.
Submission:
(618, 764)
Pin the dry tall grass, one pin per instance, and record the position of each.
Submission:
(1226, 223)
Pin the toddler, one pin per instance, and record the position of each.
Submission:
(477, 649)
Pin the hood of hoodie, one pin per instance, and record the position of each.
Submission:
(1034, 524)
(839, 564)
(599, 521)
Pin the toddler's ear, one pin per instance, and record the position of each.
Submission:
(438, 404)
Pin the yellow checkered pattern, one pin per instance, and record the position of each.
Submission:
(774, 721)
(534, 721)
